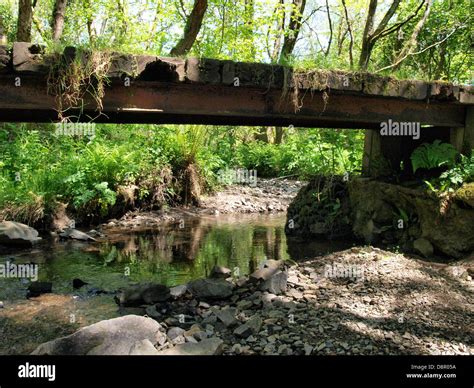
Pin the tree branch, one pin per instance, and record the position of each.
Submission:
(421, 51)
(351, 37)
(397, 26)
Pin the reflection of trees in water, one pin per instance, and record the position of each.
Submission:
(277, 243)
(174, 255)
(268, 243)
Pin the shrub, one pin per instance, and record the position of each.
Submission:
(433, 155)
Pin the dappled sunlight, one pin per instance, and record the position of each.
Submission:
(410, 305)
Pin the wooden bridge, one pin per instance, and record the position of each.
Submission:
(150, 89)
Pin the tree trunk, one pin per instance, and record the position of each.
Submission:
(412, 42)
(281, 27)
(192, 28)
(154, 25)
(278, 135)
(25, 18)
(122, 33)
(89, 21)
(351, 36)
(249, 26)
(370, 37)
(262, 134)
(59, 13)
(330, 29)
(294, 26)
(366, 36)
(3, 34)
(441, 64)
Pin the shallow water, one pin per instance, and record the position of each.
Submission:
(171, 254)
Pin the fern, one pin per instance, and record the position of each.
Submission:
(433, 156)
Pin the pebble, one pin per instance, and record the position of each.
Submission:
(237, 349)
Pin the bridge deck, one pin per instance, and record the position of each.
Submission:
(207, 91)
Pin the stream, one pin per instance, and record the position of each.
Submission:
(170, 254)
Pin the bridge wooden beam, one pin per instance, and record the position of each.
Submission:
(186, 103)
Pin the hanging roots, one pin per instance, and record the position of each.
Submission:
(71, 81)
(308, 81)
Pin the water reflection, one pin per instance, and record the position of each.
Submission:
(171, 254)
(175, 254)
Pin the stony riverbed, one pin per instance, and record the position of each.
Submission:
(360, 301)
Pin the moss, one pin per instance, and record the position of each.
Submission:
(466, 194)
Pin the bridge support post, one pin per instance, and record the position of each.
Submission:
(388, 155)
(456, 138)
(372, 152)
(469, 130)
(462, 138)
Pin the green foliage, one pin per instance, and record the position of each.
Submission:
(8, 19)
(260, 156)
(255, 30)
(433, 155)
(90, 175)
(462, 172)
(304, 153)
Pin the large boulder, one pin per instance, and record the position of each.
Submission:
(126, 335)
(466, 194)
(423, 247)
(412, 218)
(143, 348)
(443, 222)
(210, 288)
(17, 234)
